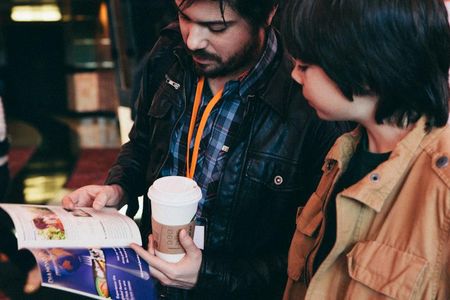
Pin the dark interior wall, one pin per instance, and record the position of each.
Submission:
(35, 74)
(148, 17)
(35, 64)
(135, 26)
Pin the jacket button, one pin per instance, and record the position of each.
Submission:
(374, 177)
(442, 162)
(278, 180)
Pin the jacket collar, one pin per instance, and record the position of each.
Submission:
(375, 188)
(281, 84)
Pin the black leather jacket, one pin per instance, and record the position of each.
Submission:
(271, 170)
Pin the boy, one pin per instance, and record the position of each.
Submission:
(378, 225)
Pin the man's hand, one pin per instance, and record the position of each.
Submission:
(183, 274)
(33, 281)
(97, 196)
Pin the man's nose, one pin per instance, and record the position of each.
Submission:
(197, 37)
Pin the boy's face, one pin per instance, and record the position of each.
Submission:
(326, 98)
(218, 49)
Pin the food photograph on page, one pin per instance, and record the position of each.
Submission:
(48, 225)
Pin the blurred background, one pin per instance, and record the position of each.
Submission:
(67, 72)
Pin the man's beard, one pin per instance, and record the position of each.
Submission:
(239, 61)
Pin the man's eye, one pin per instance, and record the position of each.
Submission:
(217, 28)
(182, 17)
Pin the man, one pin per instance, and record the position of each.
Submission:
(259, 156)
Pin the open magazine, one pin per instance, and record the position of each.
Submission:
(83, 251)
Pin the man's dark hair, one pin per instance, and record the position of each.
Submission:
(255, 12)
(398, 50)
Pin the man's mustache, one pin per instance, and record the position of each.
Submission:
(202, 54)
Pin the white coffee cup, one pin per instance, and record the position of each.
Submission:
(174, 201)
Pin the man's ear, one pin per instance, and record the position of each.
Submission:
(271, 15)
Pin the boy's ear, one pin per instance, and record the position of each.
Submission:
(271, 15)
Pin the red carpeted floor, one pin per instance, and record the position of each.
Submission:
(91, 167)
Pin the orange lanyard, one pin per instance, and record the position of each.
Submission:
(191, 164)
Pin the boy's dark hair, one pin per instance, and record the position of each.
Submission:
(255, 12)
(398, 50)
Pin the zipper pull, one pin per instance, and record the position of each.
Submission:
(176, 85)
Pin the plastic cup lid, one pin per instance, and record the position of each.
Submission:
(174, 190)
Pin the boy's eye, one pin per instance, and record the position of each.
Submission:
(299, 64)
(303, 68)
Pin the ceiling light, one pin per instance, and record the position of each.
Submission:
(36, 13)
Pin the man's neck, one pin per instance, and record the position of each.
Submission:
(216, 84)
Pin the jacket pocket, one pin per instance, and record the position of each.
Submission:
(163, 100)
(386, 270)
(160, 108)
(305, 236)
(276, 174)
(267, 199)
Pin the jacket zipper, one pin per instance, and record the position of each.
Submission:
(175, 85)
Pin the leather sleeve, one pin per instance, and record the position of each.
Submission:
(129, 169)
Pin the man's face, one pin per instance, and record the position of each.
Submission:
(218, 49)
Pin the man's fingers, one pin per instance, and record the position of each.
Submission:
(188, 244)
(141, 251)
(100, 201)
(154, 261)
(183, 274)
(153, 269)
(97, 196)
(33, 281)
(68, 202)
(79, 198)
(151, 245)
(107, 196)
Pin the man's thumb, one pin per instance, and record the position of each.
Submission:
(187, 243)
(100, 201)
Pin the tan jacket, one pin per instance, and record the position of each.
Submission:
(393, 226)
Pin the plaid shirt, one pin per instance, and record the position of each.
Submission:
(221, 128)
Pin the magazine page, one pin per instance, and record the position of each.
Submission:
(100, 273)
(52, 226)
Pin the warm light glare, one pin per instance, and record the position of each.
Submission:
(37, 13)
(103, 15)
(39, 189)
